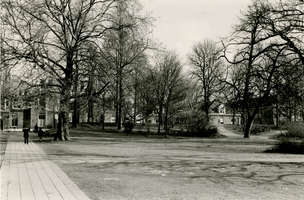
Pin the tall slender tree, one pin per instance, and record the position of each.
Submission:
(207, 70)
(170, 88)
(124, 46)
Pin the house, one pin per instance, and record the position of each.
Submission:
(222, 114)
(15, 114)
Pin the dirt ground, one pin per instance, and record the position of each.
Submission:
(117, 166)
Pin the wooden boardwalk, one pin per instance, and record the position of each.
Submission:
(28, 174)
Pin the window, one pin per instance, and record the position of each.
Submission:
(6, 105)
(17, 104)
(14, 119)
(41, 116)
(41, 121)
(222, 109)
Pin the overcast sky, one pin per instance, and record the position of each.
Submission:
(181, 23)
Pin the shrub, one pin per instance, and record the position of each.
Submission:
(129, 125)
(207, 131)
(197, 125)
(288, 146)
(295, 130)
(259, 129)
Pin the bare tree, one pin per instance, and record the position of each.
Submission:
(170, 88)
(146, 98)
(46, 36)
(207, 70)
(125, 45)
(261, 57)
(287, 21)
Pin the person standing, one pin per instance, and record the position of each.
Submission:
(25, 134)
(40, 134)
(36, 128)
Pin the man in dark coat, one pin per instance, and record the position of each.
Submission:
(40, 134)
(36, 128)
(25, 134)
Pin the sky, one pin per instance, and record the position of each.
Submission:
(181, 23)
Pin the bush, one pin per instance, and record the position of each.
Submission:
(259, 129)
(197, 125)
(207, 131)
(288, 146)
(129, 125)
(295, 130)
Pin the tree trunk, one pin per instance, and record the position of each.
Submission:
(119, 115)
(90, 110)
(116, 109)
(135, 106)
(75, 113)
(120, 99)
(249, 121)
(63, 128)
(277, 115)
(160, 116)
(102, 120)
(65, 120)
(75, 120)
(233, 116)
(166, 121)
(135, 94)
(206, 109)
(248, 126)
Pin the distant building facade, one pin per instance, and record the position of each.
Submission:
(17, 114)
(224, 115)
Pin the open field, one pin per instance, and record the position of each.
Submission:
(120, 166)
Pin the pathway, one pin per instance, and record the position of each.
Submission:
(265, 136)
(223, 131)
(28, 174)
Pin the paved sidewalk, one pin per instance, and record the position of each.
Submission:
(27, 174)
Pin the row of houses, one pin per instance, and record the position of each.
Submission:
(43, 112)
(14, 116)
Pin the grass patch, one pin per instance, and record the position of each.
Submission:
(255, 130)
(292, 141)
(146, 130)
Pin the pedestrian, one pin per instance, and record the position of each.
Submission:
(40, 134)
(25, 134)
(36, 128)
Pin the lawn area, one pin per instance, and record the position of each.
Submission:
(115, 165)
(256, 128)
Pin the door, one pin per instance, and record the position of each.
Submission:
(27, 118)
